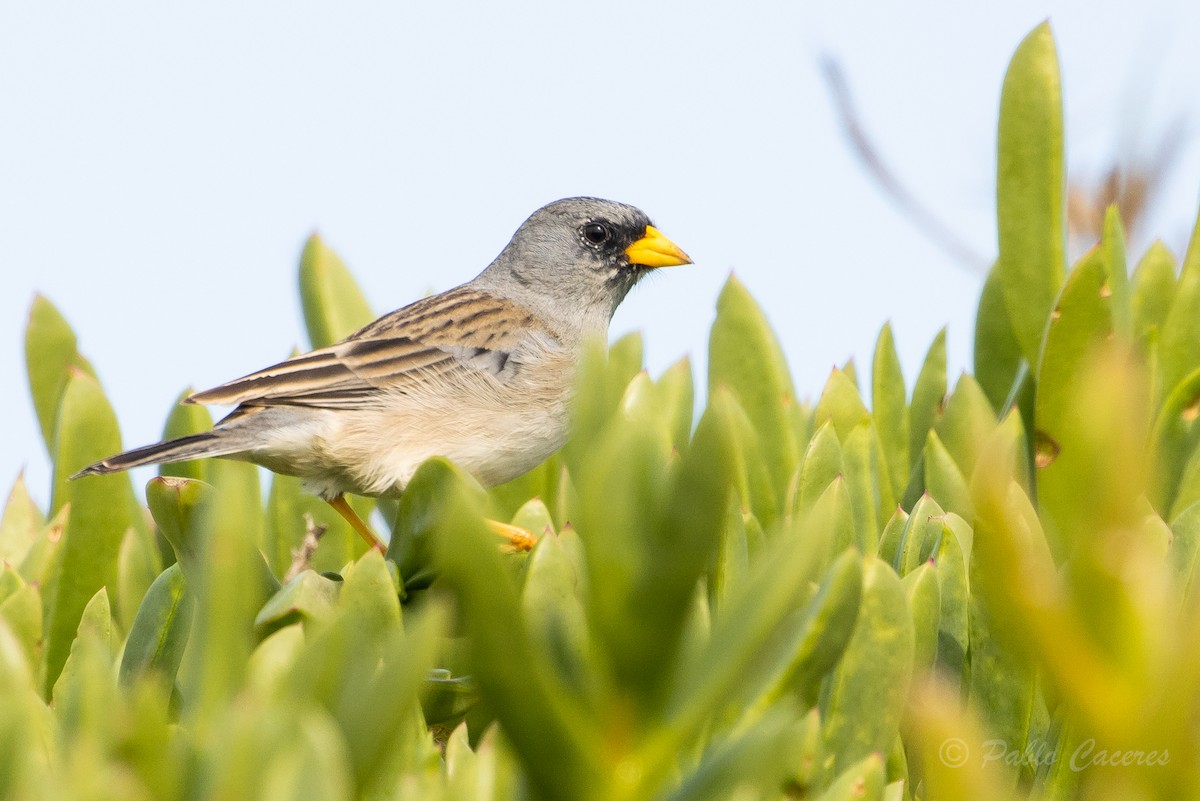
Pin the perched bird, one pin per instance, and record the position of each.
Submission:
(480, 374)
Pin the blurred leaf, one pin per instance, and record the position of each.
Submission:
(817, 634)
(967, 421)
(944, 481)
(138, 564)
(1181, 328)
(50, 356)
(867, 482)
(550, 727)
(822, 464)
(889, 399)
(997, 353)
(1153, 291)
(862, 780)
(1118, 284)
(334, 306)
(893, 533)
(551, 603)
(745, 357)
(923, 592)
(20, 524)
(21, 610)
(1030, 189)
(868, 689)
(308, 597)
(753, 761)
(160, 630)
(95, 628)
(929, 394)
(841, 404)
(954, 592)
(102, 510)
(1082, 322)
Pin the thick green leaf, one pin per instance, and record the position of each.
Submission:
(868, 689)
(967, 421)
(821, 630)
(889, 399)
(1153, 291)
(102, 510)
(1178, 354)
(50, 355)
(1114, 246)
(160, 631)
(21, 610)
(1082, 323)
(923, 592)
(929, 394)
(954, 592)
(334, 306)
(862, 781)
(822, 464)
(20, 525)
(841, 404)
(997, 354)
(551, 727)
(944, 480)
(1030, 189)
(744, 356)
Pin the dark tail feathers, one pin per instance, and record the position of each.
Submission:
(175, 450)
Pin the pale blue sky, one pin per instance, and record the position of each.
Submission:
(160, 166)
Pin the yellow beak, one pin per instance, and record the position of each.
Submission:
(655, 250)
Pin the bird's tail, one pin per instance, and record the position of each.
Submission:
(210, 443)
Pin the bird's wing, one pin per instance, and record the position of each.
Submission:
(459, 330)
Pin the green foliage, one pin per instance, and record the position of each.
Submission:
(984, 591)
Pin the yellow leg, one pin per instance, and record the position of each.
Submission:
(519, 539)
(350, 516)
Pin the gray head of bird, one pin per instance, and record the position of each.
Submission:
(574, 260)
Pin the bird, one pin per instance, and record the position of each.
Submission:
(480, 374)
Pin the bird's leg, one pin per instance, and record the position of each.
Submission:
(519, 539)
(350, 516)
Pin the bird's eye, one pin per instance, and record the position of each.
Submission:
(595, 234)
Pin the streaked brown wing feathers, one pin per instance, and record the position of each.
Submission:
(437, 334)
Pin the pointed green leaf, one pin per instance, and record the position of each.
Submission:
(967, 421)
(1082, 322)
(50, 353)
(922, 590)
(929, 394)
(997, 353)
(1118, 274)
(841, 404)
(20, 524)
(21, 610)
(1181, 329)
(549, 726)
(744, 356)
(869, 687)
(889, 399)
(160, 630)
(1153, 291)
(822, 464)
(954, 594)
(334, 306)
(102, 510)
(1030, 189)
(944, 481)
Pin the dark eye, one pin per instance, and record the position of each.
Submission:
(595, 234)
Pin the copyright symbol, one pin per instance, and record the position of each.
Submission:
(954, 752)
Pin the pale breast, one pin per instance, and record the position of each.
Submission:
(496, 424)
